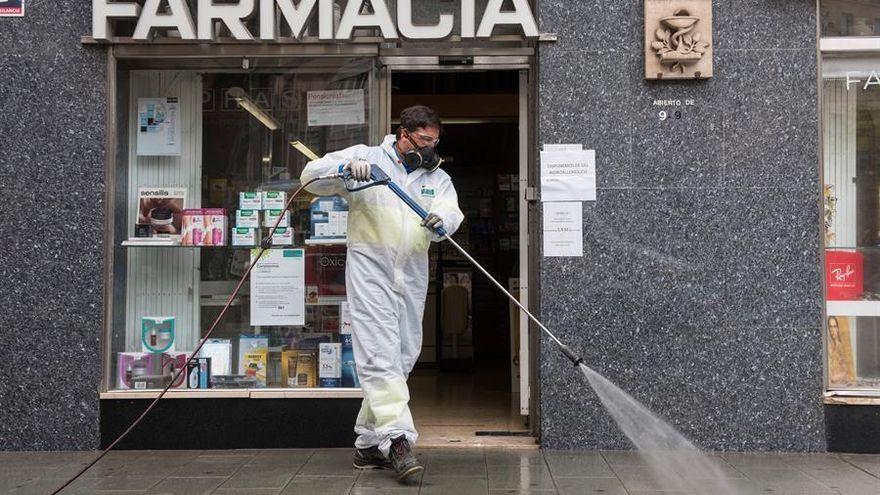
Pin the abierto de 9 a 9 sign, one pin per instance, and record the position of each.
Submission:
(296, 14)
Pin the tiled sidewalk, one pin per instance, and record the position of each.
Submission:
(455, 472)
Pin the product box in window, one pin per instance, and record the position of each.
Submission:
(325, 272)
(251, 344)
(254, 364)
(131, 366)
(172, 362)
(299, 369)
(329, 217)
(844, 273)
(198, 373)
(216, 226)
(330, 365)
(349, 371)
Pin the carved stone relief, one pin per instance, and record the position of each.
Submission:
(678, 39)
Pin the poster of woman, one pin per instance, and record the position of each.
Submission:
(841, 370)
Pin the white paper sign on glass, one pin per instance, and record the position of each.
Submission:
(568, 174)
(336, 107)
(158, 127)
(278, 288)
(563, 229)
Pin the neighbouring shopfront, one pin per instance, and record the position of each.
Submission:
(721, 269)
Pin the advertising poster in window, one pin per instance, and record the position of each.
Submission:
(337, 107)
(158, 129)
(11, 8)
(278, 288)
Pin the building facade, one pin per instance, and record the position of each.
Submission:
(701, 288)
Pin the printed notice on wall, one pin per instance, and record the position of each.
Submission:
(563, 229)
(11, 8)
(278, 288)
(158, 132)
(568, 173)
(337, 107)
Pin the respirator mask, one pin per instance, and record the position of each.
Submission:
(425, 157)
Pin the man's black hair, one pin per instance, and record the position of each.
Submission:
(418, 116)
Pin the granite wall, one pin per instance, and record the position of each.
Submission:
(700, 287)
(52, 226)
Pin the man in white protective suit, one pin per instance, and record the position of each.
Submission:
(387, 276)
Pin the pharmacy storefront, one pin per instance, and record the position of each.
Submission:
(667, 184)
(217, 108)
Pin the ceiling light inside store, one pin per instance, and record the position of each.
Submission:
(244, 101)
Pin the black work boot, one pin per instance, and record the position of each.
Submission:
(402, 459)
(370, 458)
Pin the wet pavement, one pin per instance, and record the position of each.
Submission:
(447, 471)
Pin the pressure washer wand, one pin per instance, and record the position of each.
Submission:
(379, 177)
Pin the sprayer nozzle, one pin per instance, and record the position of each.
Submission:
(574, 358)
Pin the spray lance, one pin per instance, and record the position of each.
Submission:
(378, 177)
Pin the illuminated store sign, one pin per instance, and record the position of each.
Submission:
(176, 15)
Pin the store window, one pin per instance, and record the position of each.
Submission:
(850, 17)
(205, 161)
(851, 172)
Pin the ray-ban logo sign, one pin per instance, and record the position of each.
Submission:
(157, 16)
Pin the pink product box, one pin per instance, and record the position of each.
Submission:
(146, 371)
(133, 365)
(193, 227)
(205, 227)
(217, 220)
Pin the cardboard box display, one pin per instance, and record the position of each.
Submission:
(157, 334)
(254, 365)
(216, 226)
(245, 236)
(330, 365)
(283, 237)
(274, 200)
(250, 201)
(130, 365)
(219, 351)
(271, 216)
(251, 344)
(344, 318)
(194, 228)
(198, 373)
(329, 217)
(247, 218)
(349, 369)
(171, 363)
(306, 375)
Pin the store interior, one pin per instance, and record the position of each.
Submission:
(463, 388)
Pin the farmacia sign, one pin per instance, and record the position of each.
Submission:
(297, 14)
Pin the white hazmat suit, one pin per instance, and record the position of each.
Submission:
(386, 278)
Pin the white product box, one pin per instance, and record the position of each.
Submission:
(283, 237)
(244, 236)
(344, 318)
(220, 352)
(270, 216)
(274, 200)
(247, 218)
(250, 201)
(330, 364)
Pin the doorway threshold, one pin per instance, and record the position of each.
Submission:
(469, 437)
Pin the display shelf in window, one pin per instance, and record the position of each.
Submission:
(853, 308)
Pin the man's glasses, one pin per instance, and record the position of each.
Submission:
(424, 138)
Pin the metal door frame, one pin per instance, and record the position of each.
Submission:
(520, 60)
